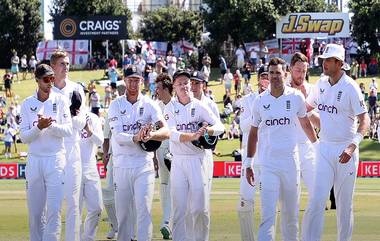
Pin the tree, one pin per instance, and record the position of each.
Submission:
(20, 25)
(171, 24)
(365, 23)
(252, 20)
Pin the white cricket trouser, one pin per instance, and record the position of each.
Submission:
(189, 190)
(44, 190)
(330, 172)
(92, 196)
(73, 177)
(109, 196)
(164, 186)
(283, 186)
(306, 154)
(247, 192)
(134, 187)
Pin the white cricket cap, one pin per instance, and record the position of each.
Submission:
(333, 51)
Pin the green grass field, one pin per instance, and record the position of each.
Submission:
(224, 220)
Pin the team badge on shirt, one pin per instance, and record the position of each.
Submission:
(266, 107)
(55, 108)
(339, 95)
(33, 109)
(321, 90)
(288, 105)
(176, 112)
(123, 112)
(192, 112)
(141, 111)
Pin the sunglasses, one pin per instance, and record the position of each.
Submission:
(48, 79)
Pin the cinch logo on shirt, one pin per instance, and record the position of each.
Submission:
(192, 126)
(133, 127)
(278, 122)
(328, 108)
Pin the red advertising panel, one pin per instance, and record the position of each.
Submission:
(218, 169)
(232, 169)
(369, 169)
(101, 170)
(8, 170)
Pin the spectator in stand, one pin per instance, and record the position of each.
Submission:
(8, 84)
(152, 81)
(95, 102)
(240, 55)
(15, 61)
(32, 65)
(246, 72)
(362, 88)
(363, 69)
(227, 99)
(181, 64)
(171, 63)
(107, 96)
(354, 69)
(161, 66)
(353, 50)
(90, 88)
(263, 52)
(140, 65)
(237, 103)
(222, 67)
(228, 77)
(237, 82)
(372, 104)
(234, 131)
(113, 63)
(113, 75)
(373, 84)
(9, 133)
(373, 65)
(316, 46)
(24, 66)
(151, 59)
(253, 56)
(206, 68)
(127, 61)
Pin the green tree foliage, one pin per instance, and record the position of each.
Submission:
(365, 22)
(171, 24)
(252, 20)
(20, 24)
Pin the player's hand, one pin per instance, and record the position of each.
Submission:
(347, 153)
(87, 127)
(250, 176)
(44, 122)
(147, 133)
(200, 132)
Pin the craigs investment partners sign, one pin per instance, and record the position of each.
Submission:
(313, 25)
(94, 27)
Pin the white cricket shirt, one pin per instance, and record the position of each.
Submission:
(338, 106)
(49, 141)
(125, 120)
(276, 119)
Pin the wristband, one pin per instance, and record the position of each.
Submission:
(357, 139)
(310, 113)
(248, 162)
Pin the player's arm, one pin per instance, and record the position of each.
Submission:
(217, 127)
(363, 126)
(308, 129)
(94, 131)
(116, 126)
(251, 151)
(359, 109)
(245, 115)
(163, 131)
(63, 126)
(28, 132)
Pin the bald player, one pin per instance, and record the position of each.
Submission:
(344, 121)
(246, 203)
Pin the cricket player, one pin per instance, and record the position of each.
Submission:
(59, 61)
(90, 193)
(198, 85)
(131, 117)
(164, 93)
(246, 203)
(343, 123)
(306, 154)
(275, 113)
(45, 121)
(189, 173)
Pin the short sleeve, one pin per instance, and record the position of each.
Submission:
(256, 117)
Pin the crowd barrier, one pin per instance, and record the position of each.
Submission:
(221, 169)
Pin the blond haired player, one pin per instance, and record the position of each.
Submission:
(60, 63)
